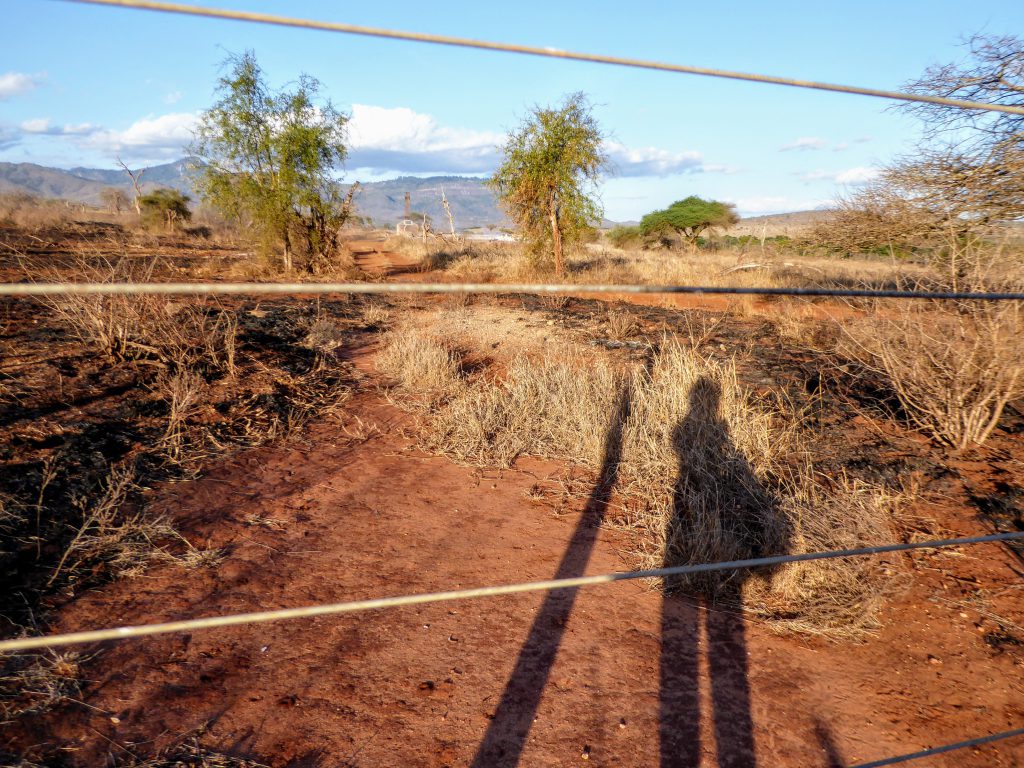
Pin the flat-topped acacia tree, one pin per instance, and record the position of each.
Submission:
(546, 183)
(687, 219)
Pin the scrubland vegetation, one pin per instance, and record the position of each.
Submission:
(105, 397)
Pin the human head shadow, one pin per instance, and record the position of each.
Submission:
(720, 510)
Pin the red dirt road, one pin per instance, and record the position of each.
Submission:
(620, 677)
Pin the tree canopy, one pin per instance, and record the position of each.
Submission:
(687, 218)
(966, 175)
(547, 180)
(167, 206)
(267, 158)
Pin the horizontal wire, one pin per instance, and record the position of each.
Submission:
(127, 289)
(556, 53)
(939, 750)
(261, 617)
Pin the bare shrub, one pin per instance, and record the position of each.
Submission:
(147, 327)
(621, 324)
(554, 301)
(113, 534)
(181, 390)
(953, 370)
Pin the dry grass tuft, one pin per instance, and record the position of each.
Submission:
(705, 473)
(540, 407)
(420, 363)
(33, 683)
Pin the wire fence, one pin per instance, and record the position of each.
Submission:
(266, 289)
(107, 289)
(553, 53)
(356, 606)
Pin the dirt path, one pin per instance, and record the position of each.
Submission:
(371, 256)
(609, 676)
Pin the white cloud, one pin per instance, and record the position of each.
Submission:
(383, 141)
(804, 144)
(173, 97)
(79, 129)
(149, 139)
(14, 83)
(842, 146)
(39, 125)
(651, 161)
(399, 139)
(858, 175)
(818, 175)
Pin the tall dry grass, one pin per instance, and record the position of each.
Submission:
(705, 472)
(728, 266)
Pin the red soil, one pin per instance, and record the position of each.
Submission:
(611, 676)
(424, 686)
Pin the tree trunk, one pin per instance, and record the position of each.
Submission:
(286, 257)
(556, 238)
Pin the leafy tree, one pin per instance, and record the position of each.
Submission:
(168, 206)
(546, 181)
(624, 237)
(687, 219)
(266, 157)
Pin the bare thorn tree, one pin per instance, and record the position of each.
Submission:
(136, 177)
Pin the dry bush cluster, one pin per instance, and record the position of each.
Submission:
(83, 517)
(704, 473)
(953, 369)
(171, 334)
(32, 214)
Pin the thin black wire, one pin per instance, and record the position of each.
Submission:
(192, 289)
(939, 750)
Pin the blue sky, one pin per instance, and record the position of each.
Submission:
(80, 85)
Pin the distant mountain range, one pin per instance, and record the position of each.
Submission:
(472, 203)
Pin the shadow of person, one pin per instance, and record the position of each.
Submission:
(507, 733)
(720, 511)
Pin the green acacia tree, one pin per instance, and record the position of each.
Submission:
(267, 157)
(547, 180)
(687, 219)
(166, 206)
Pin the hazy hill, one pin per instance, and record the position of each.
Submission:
(788, 224)
(473, 204)
(84, 185)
